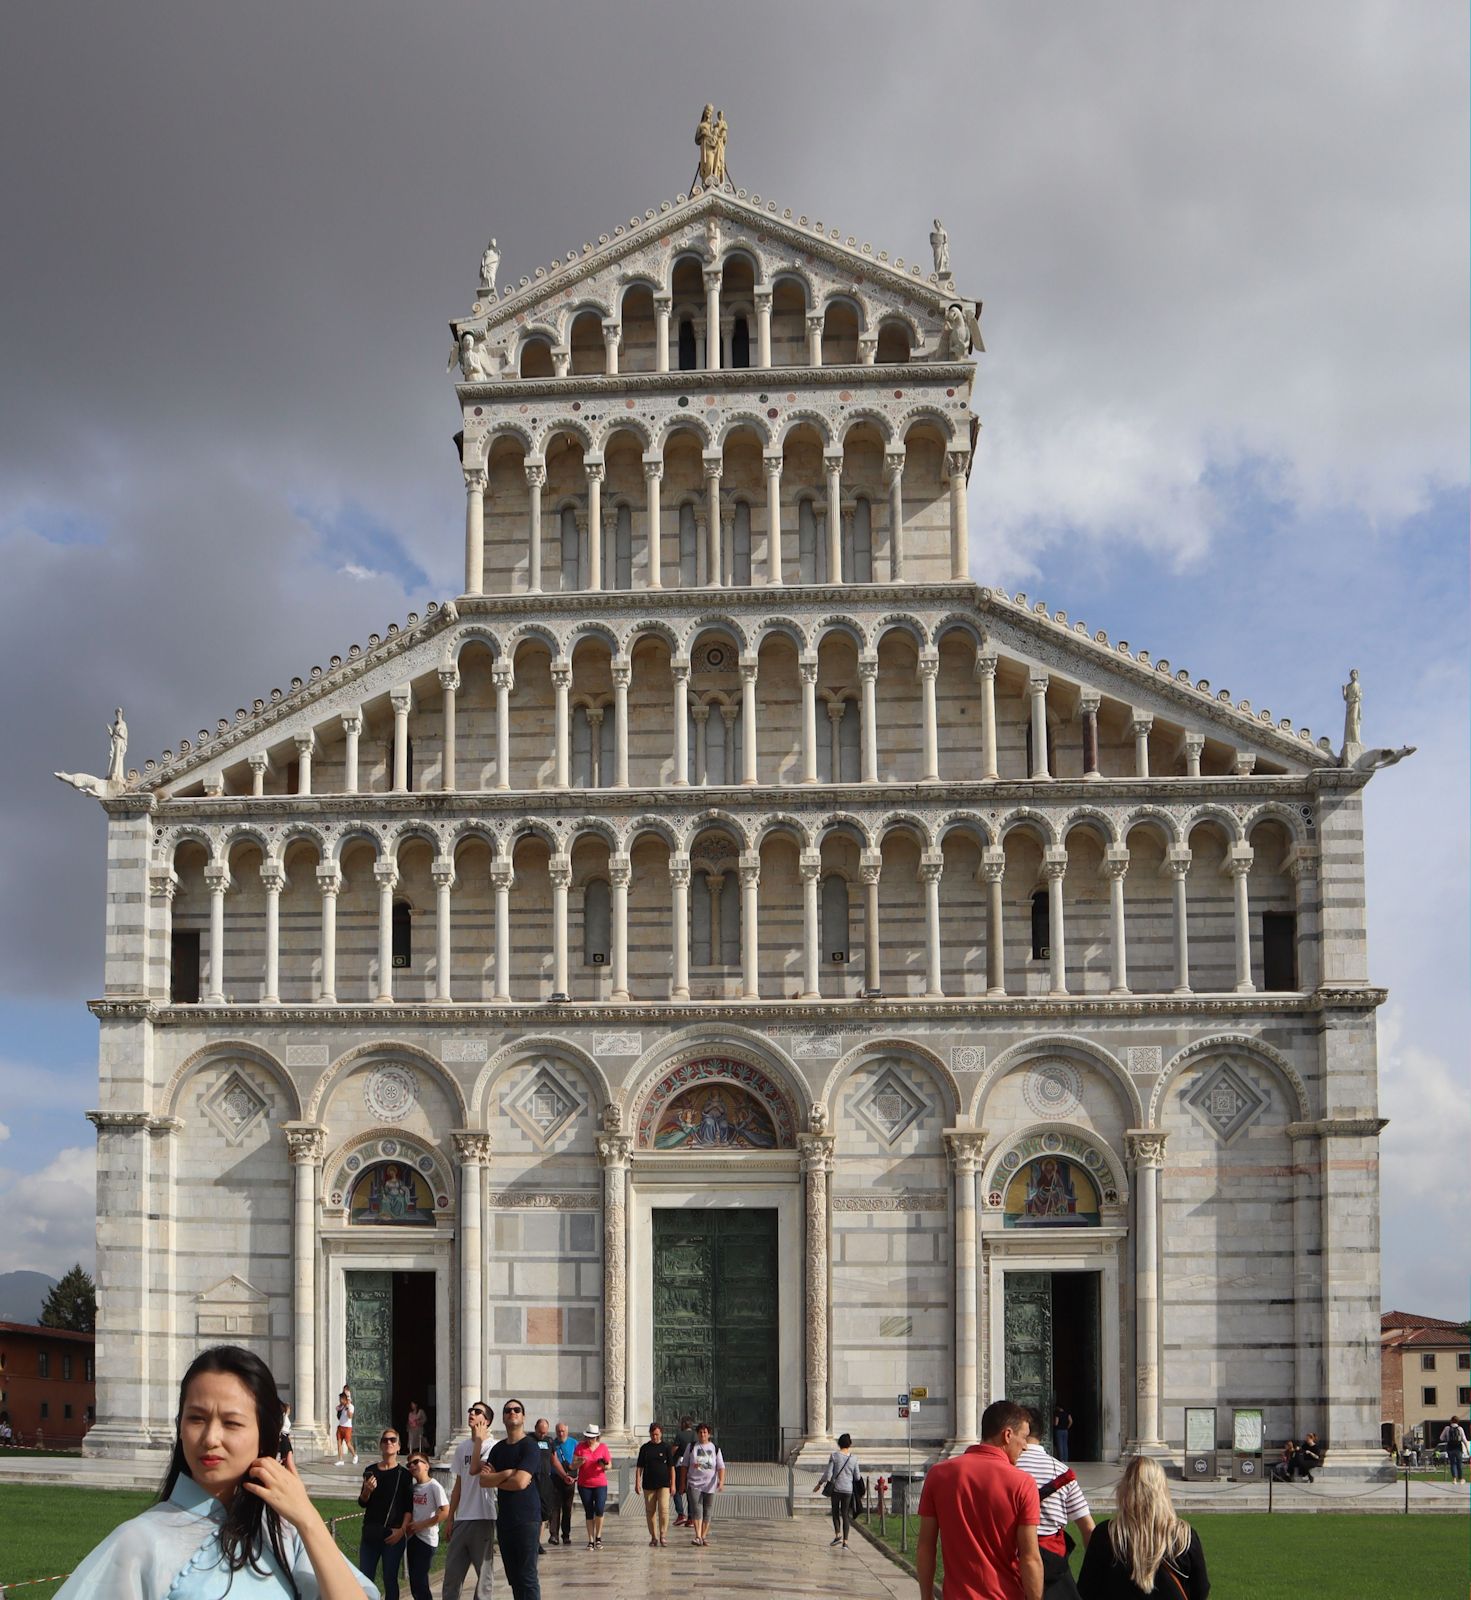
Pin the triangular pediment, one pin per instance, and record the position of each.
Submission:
(232, 1291)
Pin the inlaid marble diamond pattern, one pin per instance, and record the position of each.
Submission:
(1226, 1101)
(890, 1105)
(235, 1106)
(546, 1104)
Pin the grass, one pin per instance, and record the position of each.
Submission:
(48, 1530)
(1253, 1556)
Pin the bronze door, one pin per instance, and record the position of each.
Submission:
(370, 1355)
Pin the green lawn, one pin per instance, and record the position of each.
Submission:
(1259, 1557)
(48, 1530)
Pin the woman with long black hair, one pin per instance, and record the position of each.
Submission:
(230, 1518)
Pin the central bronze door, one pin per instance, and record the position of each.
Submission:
(715, 1327)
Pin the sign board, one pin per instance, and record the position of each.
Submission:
(913, 1407)
(1200, 1428)
(903, 1413)
(1246, 1432)
(917, 1391)
(903, 1399)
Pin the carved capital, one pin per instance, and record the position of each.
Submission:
(700, 711)
(164, 882)
(449, 679)
(442, 873)
(985, 665)
(714, 466)
(352, 722)
(835, 710)
(306, 743)
(1115, 863)
(306, 1142)
(386, 874)
(809, 864)
(272, 876)
(993, 863)
(870, 866)
(816, 1150)
(679, 871)
(536, 477)
(561, 674)
(748, 671)
(868, 669)
(1238, 863)
(559, 870)
(217, 877)
(596, 470)
(1140, 722)
(503, 678)
(472, 1147)
(679, 668)
(653, 469)
(474, 480)
(1244, 763)
(814, 322)
(1177, 862)
(894, 464)
(119, 1121)
(1089, 701)
(613, 1150)
(808, 671)
(929, 663)
(502, 875)
(620, 870)
(772, 462)
(402, 700)
(749, 866)
(966, 1149)
(832, 460)
(1054, 865)
(761, 294)
(931, 866)
(1145, 1147)
(957, 463)
(1192, 744)
(1037, 680)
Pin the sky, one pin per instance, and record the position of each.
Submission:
(1223, 255)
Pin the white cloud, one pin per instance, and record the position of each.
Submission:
(50, 1215)
(4, 1133)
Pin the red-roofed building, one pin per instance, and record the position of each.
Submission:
(47, 1383)
(1425, 1365)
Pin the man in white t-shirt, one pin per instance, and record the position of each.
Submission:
(1062, 1502)
(470, 1525)
(430, 1508)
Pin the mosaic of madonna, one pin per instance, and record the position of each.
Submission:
(715, 1104)
(394, 1193)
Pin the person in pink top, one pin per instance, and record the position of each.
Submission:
(590, 1461)
(983, 1513)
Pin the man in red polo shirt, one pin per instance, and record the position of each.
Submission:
(984, 1513)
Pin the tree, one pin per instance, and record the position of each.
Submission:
(72, 1303)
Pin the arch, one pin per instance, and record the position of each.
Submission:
(1109, 1174)
(411, 828)
(934, 1065)
(353, 833)
(472, 633)
(714, 621)
(629, 422)
(634, 280)
(1208, 812)
(584, 631)
(902, 821)
(1055, 1044)
(815, 420)
(794, 274)
(1025, 817)
(1151, 817)
(744, 421)
(387, 1049)
(1262, 1054)
(843, 823)
(1089, 817)
(915, 416)
(899, 622)
(502, 430)
(685, 421)
(1289, 817)
(471, 828)
(964, 822)
(958, 621)
(597, 827)
(338, 1177)
(650, 628)
(512, 1055)
(588, 305)
(639, 827)
(894, 325)
(865, 416)
(845, 297)
(240, 832)
(779, 628)
(172, 838)
(839, 624)
(570, 426)
(292, 832)
(779, 822)
(531, 633)
(740, 248)
(220, 1050)
(704, 821)
(533, 828)
(653, 1079)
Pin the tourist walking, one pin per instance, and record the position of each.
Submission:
(1144, 1548)
(345, 1412)
(684, 1437)
(387, 1498)
(512, 1474)
(704, 1478)
(564, 1483)
(543, 1437)
(416, 1419)
(653, 1475)
(470, 1526)
(430, 1508)
(983, 1514)
(283, 1444)
(840, 1482)
(1062, 1502)
(1062, 1427)
(1453, 1437)
(591, 1459)
(227, 1508)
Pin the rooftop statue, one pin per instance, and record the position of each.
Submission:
(470, 358)
(940, 244)
(710, 136)
(490, 261)
(116, 779)
(1353, 710)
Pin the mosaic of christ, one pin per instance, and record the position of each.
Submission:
(714, 1117)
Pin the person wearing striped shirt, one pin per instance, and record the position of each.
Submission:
(1063, 1502)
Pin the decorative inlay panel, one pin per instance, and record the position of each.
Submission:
(1143, 1058)
(1053, 1089)
(235, 1106)
(307, 1055)
(889, 1105)
(391, 1092)
(967, 1058)
(1226, 1101)
(464, 1052)
(546, 1104)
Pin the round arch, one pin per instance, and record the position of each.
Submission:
(1260, 1053)
(658, 1065)
(1057, 1044)
(1102, 1163)
(872, 1049)
(217, 1053)
(510, 1056)
(387, 1050)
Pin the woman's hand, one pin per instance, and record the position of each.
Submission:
(283, 1491)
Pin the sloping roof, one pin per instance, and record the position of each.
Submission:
(39, 1331)
(1447, 1338)
(1411, 1320)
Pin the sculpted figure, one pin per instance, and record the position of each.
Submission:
(705, 139)
(470, 359)
(117, 770)
(940, 244)
(490, 261)
(722, 132)
(955, 346)
(86, 783)
(1353, 709)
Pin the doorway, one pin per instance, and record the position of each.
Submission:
(390, 1357)
(716, 1355)
(1054, 1352)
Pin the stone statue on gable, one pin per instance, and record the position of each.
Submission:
(470, 358)
(490, 261)
(940, 244)
(117, 757)
(1353, 710)
(722, 133)
(710, 136)
(955, 346)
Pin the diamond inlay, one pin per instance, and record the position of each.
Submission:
(1226, 1101)
(235, 1106)
(890, 1105)
(546, 1104)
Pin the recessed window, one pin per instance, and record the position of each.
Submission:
(66, 1412)
(835, 918)
(1463, 1363)
(43, 1364)
(596, 922)
(91, 1372)
(1427, 1397)
(1463, 1397)
(1427, 1363)
(66, 1366)
(1041, 927)
(1279, 950)
(403, 934)
(45, 1410)
(184, 963)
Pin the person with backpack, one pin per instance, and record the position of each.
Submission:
(1453, 1437)
(840, 1479)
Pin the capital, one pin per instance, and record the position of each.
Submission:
(1054, 865)
(561, 674)
(772, 461)
(306, 1142)
(1140, 721)
(809, 864)
(217, 877)
(993, 863)
(653, 468)
(700, 711)
(502, 876)
(711, 275)
(352, 722)
(386, 874)
(1145, 1147)
(966, 1148)
(833, 460)
(985, 666)
(1115, 863)
(894, 464)
(870, 867)
(929, 663)
(536, 477)
(613, 1150)
(402, 700)
(503, 677)
(474, 480)
(1089, 701)
(164, 882)
(1192, 744)
(1177, 862)
(761, 294)
(596, 471)
(272, 877)
(816, 1150)
(713, 465)
(260, 761)
(442, 873)
(835, 710)
(329, 880)
(306, 743)
(119, 1121)
(679, 871)
(449, 679)
(749, 865)
(808, 670)
(679, 668)
(931, 866)
(472, 1147)
(957, 462)
(1037, 681)
(621, 669)
(1243, 764)
(815, 320)
(595, 716)
(620, 870)
(1238, 863)
(868, 669)
(559, 870)
(1301, 863)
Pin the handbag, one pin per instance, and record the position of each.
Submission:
(824, 1487)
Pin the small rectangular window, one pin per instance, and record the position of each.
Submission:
(1041, 927)
(66, 1412)
(1427, 1363)
(1463, 1396)
(184, 963)
(43, 1364)
(66, 1366)
(1463, 1362)
(45, 1410)
(1427, 1397)
(1279, 950)
(91, 1370)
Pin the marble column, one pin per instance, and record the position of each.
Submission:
(1238, 865)
(748, 722)
(662, 305)
(217, 880)
(611, 334)
(562, 688)
(1054, 864)
(163, 885)
(814, 338)
(502, 881)
(536, 477)
(308, 1148)
(712, 318)
(449, 684)
(966, 1149)
(870, 870)
(929, 668)
(772, 463)
(386, 874)
(832, 461)
(474, 530)
(613, 1155)
(594, 471)
(1140, 723)
(443, 874)
(868, 675)
(306, 744)
(957, 462)
(681, 672)
(1302, 867)
(835, 739)
(810, 867)
(702, 743)
(984, 673)
(679, 883)
(1037, 684)
(993, 869)
(1177, 865)
(817, 1163)
(653, 476)
(597, 778)
(259, 762)
(931, 866)
(352, 727)
(750, 871)
(1115, 868)
(329, 884)
(713, 560)
(559, 870)
(894, 477)
(273, 880)
(402, 700)
(622, 671)
(620, 870)
(1146, 1150)
(808, 671)
(472, 1150)
(762, 297)
(1192, 745)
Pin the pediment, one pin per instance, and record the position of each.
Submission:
(232, 1291)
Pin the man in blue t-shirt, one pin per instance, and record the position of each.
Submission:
(564, 1483)
(512, 1474)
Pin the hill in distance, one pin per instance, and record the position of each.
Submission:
(22, 1294)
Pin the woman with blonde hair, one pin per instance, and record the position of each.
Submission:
(1144, 1548)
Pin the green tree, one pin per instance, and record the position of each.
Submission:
(72, 1303)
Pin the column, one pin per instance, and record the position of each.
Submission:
(474, 530)
(835, 739)
(1115, 869)
(611, 332)
(832, 461)
(1140, 722)
(596, 776)
(808, 670)
(401, 700)
(762, 296)
(679, 883)
(728, 715)
(594, 471)
(273, 880)
(1192, 745)
(443, 875)
(1054, 864)
(750, 871)
(620, 870)
(1037, 682)
(653, 476)
(386, 874)
(502, 879)
(681, 671)
(352, 727)
(613, 1151)
(713, 567)
(536, 477)
(305, 744)
(329, 884)
(993, 869)
(308, 1147)
(894, 477)
(662, 303)
(1302, 867)
(868, 673)
(1177, 865)
(748, 720)
(966, 1149)
(1146, 1148)
(984, 673)
(1088, 703)
(559, 870)
(1238, 865)
(810, 866)
(814, 339)
(164, 885)
(958, 463)
(502, 677)
(712, 318)
(259, 761)
(868, 348)
(622, 676)
(772, 463)
(473, 1152)
(817, 1162)
(217, 879)
(931, 865)
(449, 683)
(870, 865)
(562, 685)
(929, 667)
(702, 743)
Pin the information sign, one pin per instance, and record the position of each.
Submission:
(1200, 1428)
(917, 1391)
(1246, 1432)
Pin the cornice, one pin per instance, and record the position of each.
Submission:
(513, 390)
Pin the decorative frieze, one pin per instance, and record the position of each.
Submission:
(909, 1200)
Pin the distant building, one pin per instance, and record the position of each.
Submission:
(1425, 1363)
(47, 1383)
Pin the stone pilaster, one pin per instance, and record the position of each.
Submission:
(817, 1165)
(613, 1154)
(966, 1149)
(1146, 1153)
(307, 1144)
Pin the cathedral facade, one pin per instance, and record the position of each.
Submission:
(726, 961)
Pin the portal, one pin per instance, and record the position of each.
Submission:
(1053, 1351)
(390, 1355)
